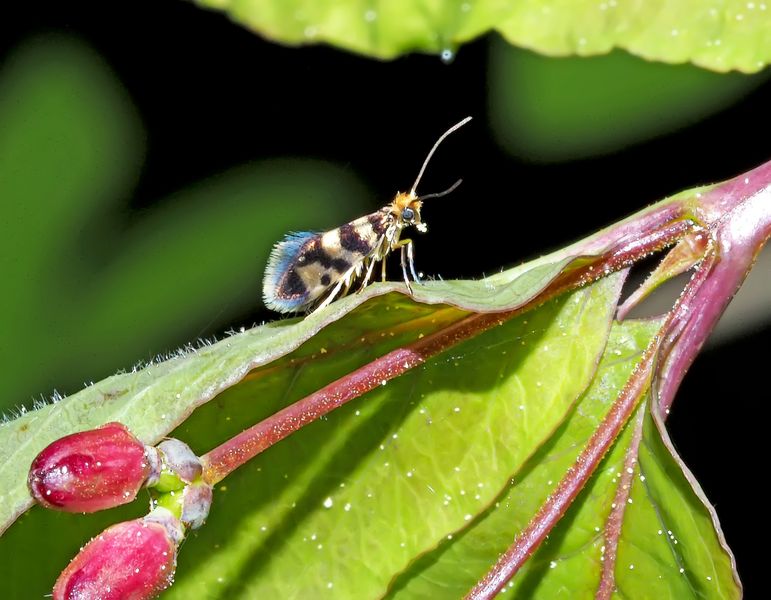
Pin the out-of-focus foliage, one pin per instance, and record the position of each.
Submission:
(89, 288)
(548, 109)
(721, 35)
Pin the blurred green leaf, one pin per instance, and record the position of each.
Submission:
(549, 109)
(716, 34)
(87, 290)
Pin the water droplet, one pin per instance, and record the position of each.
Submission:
(447, 55)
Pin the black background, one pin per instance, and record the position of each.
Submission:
(213, 95)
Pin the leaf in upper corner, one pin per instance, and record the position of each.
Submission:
(721, 36)
(547, 109)
(454, 427)
(664, 507)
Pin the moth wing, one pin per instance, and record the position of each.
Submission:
(304, 266)
(283, 290)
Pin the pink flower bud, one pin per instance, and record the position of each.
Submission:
(133, 560)
(91, 470)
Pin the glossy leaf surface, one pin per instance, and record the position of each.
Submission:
(355, 498)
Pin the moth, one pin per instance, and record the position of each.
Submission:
(308, 270)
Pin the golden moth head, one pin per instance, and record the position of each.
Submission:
(405, 210)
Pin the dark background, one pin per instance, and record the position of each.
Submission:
(213, 95)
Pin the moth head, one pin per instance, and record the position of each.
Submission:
(405, 210)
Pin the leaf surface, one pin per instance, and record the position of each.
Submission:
(437, 404)
(662, 507)
(153, 400)
(716, 34)
(353, 499)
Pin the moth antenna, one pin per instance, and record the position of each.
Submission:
(436, 145)
(449, 190)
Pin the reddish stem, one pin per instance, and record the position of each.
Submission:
(616, 517)
(222, 460)
(737, 236)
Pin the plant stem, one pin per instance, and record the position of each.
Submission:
(615, 519)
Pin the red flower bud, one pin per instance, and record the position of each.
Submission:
(133, 560)
(91, 470)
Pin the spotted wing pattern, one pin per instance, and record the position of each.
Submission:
(304, 266)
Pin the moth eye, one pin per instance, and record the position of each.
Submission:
(408, 214)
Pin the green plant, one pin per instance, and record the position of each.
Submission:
(486, 407)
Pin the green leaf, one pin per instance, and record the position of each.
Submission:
(547, 109)
(718, 35)
(671, 536)
(356, 498)
(662, 501)
(154, 400)
(454, 413)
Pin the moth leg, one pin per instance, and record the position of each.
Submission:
(331, 296)
(346, 280)
(370, 268)
(350, 276)
(383, 270)
(411, 260)
(405, 247)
